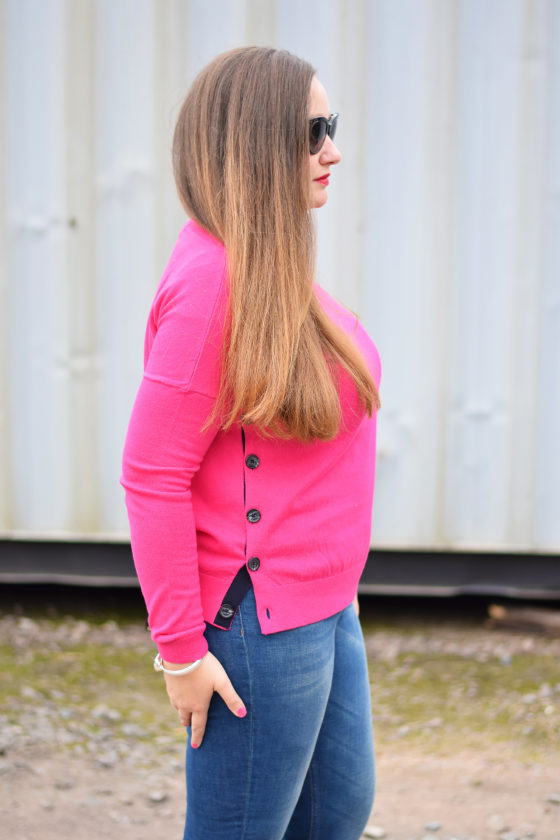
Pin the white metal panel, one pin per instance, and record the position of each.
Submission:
(38, 461)
(482, 388)
(405, 287)
(546, 429)
(442, 231)
(125, 193)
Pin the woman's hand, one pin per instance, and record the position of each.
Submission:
(191, 693)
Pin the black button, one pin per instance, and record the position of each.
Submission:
(253, 564)
(252, 461)
(226, 611)
(254, 515)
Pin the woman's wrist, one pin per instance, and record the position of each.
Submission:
(174, 667)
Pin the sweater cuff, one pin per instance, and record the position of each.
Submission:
(183, 650)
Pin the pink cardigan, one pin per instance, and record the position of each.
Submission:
(298, 515)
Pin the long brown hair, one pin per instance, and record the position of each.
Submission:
(240, 157)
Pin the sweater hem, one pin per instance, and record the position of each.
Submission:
(285, 606)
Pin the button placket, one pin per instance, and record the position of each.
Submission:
(252, 462)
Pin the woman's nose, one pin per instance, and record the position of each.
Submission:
(329, 153)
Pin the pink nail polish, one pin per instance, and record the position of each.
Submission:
(241, 712)
(194, 746)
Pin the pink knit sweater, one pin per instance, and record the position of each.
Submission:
(200, 508)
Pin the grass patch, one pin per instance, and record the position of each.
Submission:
(447, 702)
(92, 692)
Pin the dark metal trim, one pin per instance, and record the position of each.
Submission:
(387, 572)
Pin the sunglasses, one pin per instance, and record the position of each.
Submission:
(319, 129)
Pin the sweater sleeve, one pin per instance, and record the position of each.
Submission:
(165, 446)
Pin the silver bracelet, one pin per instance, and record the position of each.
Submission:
(159, 666)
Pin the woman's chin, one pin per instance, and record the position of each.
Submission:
(319, 199)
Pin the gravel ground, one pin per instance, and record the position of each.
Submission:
(467, 724)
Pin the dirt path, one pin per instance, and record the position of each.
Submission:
(471, 796)
(54, 797)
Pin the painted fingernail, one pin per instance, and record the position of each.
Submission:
(194, 746)
(241, 712)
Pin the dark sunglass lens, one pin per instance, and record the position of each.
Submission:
(334, 124)
(317, 134)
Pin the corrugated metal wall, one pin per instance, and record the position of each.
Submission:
(442, 230)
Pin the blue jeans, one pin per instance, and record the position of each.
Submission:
(300, 766)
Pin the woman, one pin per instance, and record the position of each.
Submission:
(249, 465)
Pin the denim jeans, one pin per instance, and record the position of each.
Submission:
(300, 766)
